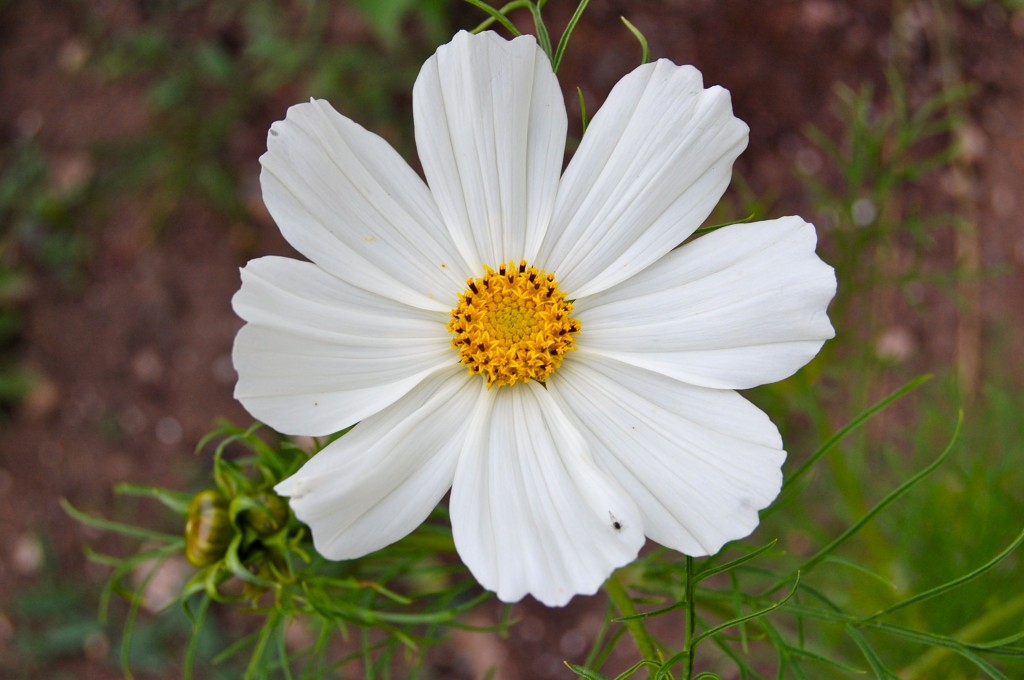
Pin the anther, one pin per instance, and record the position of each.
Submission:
(513, 329)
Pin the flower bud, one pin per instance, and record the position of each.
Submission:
(270, 516)
(208, 529)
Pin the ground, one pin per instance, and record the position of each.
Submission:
(131, 362)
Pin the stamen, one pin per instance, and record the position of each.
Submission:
(515, 329)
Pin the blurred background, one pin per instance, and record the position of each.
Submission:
(129, 197)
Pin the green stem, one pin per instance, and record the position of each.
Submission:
(620, 598)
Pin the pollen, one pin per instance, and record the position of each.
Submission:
(513, 325)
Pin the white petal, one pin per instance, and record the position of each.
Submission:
(319, 354)
(380, 481)
(651, 167)
(699, 462)
(739, 307)
(531, 513)
(490, 131)
(347, 201)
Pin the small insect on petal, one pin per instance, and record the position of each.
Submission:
(616, 524)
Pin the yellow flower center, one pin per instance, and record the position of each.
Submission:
(513, 324)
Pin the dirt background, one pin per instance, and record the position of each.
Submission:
(133, 364)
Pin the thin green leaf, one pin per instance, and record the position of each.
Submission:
(874, 661)
(498, 15)
(824, 660)
(175, 500)
(133, 612)
(746, 670)
(234, 648)
(645, 50)
(708, 573)
(605, 652)
(563, 42)
(122, 567)
(850, 564)
(864, 417)
(715, 227)
(950, 585)
(818, 557)
(584, 672)
(116, 527)
(193, 641)
(747, 617)
(599, 639)
(1001, 642)
(936, 640)
(583, 108)
(262, 640)
(233, 562)
(543, 37)
(650, 614)
(282, 652)
(737, 606)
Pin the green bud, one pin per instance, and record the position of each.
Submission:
(208, 529)
(270, 516)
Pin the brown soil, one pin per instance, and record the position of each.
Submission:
(133, 366)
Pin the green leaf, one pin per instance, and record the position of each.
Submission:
(563, 42)
(748, 617)
(543, 37)
(645, 51)
(583, 672)
(906, 486)
(950, 585)
(583, 108)
(874, 661)
(116, 527)
(175, 500)
(498, 15)
(862, 418)
(708, 573)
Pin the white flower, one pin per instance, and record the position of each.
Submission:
(635, 429)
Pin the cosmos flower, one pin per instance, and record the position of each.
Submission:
(532, 340)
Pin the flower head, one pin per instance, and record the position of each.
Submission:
(532, 340)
